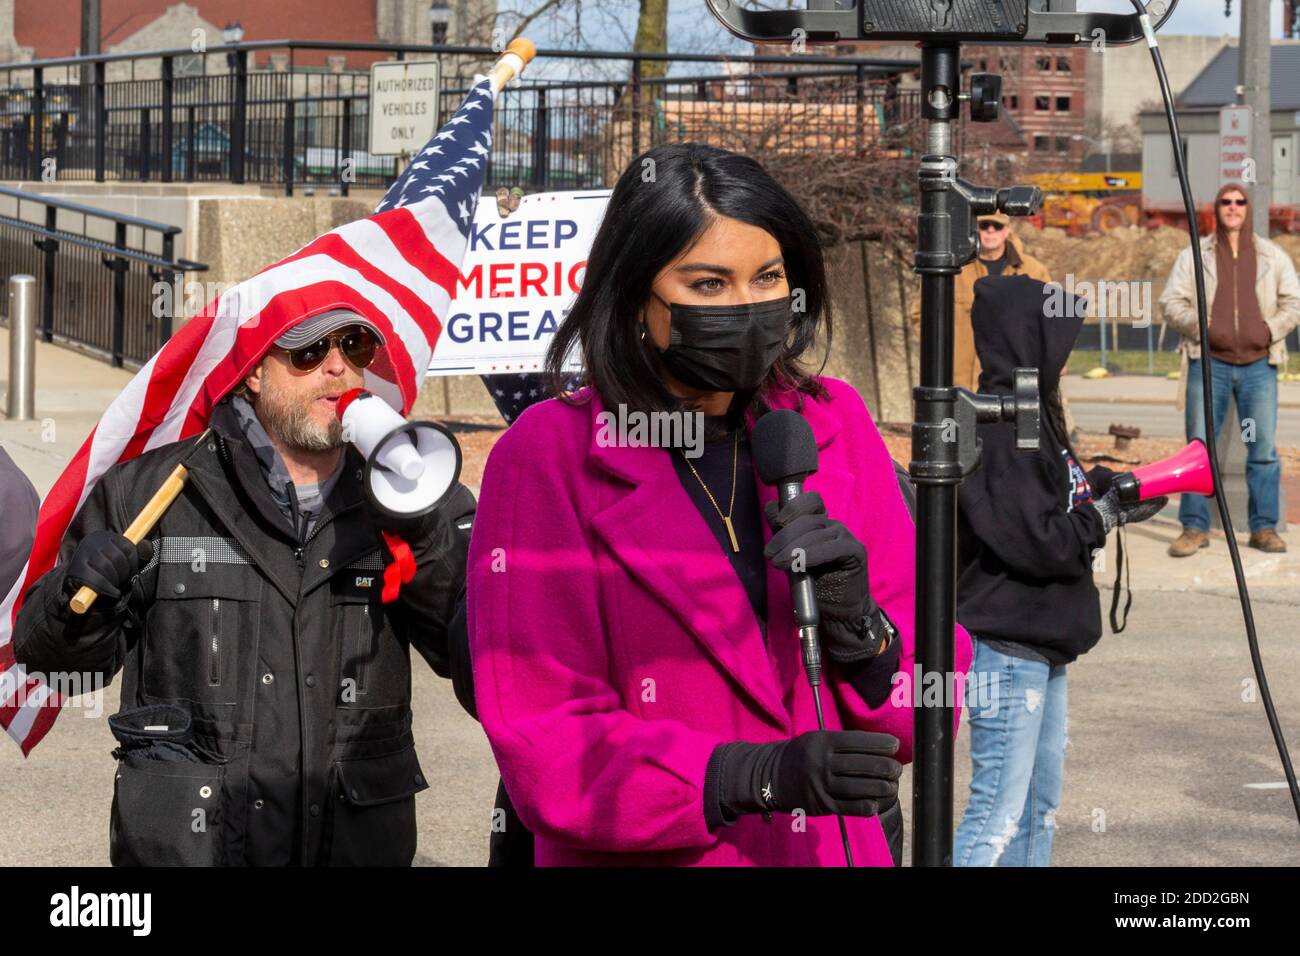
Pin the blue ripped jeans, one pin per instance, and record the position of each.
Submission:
(1017, 725)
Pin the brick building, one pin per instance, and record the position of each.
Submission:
(1044, 91)
(39, 29)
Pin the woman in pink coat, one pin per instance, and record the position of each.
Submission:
(636, 661)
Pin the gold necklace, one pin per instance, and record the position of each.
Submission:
(726, 519)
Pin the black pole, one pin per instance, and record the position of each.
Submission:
(288, 154)
(346, 137)
(60, 141)
(119, 266)
(936, 498)
(38, 122)
(146, 143)
(101, 122)
(238, 117)
(172, 279)
(541, 142)
(168, 130)
(49, 248)
(190, 132)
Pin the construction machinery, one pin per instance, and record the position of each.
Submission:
(1083, 203)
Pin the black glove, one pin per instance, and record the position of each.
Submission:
(837, 562)
(107, 562)
(1100, 478)
(1113, 514)
(416, 530)
(820, 772)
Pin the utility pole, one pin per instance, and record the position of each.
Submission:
(90, 33)
(1254, 53)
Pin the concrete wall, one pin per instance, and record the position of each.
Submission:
(176, 204)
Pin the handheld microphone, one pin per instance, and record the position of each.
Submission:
(785, 453)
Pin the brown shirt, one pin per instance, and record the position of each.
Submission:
(1238, 333)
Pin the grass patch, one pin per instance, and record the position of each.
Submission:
(1134, 362)
(1126, 362)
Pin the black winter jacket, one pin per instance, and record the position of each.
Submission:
(283, 682)
(1025, 560)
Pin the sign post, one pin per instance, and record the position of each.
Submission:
(403, 106)
(1234, 144)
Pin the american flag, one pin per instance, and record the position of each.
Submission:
(398, 268)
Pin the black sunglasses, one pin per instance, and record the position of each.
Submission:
(1232, 202)
(989, 224)
(355, 343)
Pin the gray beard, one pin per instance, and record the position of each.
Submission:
(291, 425)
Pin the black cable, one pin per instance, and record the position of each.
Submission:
(1207, 400)
(815, 684)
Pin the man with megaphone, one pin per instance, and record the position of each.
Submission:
(288, 581)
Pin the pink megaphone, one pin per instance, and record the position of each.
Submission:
(1186, 472)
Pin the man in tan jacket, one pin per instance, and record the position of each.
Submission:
(1000, 253)
(1253, 300)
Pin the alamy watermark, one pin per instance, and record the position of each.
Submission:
(84, 690)
(1104, 298)
(977, 689)
(632, 428)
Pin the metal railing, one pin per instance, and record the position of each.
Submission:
(108, 283)
(144, 117)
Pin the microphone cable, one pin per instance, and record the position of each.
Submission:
(1220, 497)
(812, 666)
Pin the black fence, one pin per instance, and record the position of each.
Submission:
(177, 116)
(109, 283)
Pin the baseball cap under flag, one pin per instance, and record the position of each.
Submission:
(318, 326)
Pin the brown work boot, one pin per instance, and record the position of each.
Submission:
(1268, 540)
(1189, 542)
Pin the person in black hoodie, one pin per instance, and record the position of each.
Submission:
(1029, 526)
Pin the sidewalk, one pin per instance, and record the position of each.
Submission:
(72, 391)
(1209, 571)
(1147, 390)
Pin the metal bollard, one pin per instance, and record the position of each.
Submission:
(20, 404)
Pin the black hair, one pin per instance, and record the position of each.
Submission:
(661, 204)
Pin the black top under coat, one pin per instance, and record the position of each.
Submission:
(714, 466)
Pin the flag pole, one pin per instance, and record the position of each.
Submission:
(141, 526)
(518, 54)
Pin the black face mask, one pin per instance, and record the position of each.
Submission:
(725, 348)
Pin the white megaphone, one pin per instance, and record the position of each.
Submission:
(411, 467)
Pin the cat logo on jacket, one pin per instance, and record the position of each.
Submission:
(365, 582)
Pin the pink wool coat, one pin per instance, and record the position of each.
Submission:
(614, 646)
